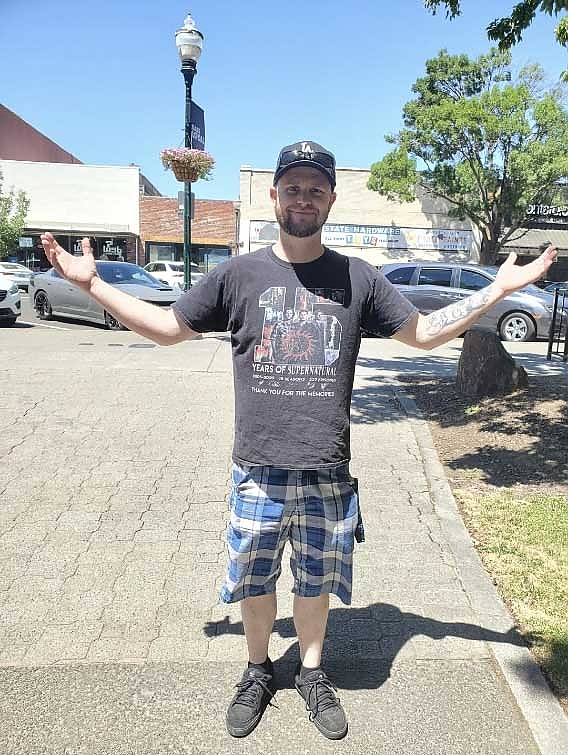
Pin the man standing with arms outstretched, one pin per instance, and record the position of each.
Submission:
(291, 479)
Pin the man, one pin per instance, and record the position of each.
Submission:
(291, 480)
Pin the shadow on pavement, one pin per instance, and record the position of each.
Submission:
(362, 643)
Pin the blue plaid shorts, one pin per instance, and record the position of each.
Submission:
(316, 511)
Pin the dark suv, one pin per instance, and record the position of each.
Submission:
(522, 316)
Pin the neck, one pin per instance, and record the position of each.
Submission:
(293, 249)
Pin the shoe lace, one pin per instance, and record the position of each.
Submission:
(248, 691)
(320, 696)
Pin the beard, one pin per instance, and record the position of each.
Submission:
(299, 230)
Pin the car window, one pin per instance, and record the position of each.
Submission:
(177, 267)
(473, 281)
(435, 276)
(150, 268)
(159, 267)
(401, 275)
(124, 272)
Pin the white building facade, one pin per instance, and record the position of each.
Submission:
(76, 200)
(362, 223)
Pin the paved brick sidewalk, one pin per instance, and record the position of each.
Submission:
(112, 516)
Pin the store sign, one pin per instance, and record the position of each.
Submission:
(103, 248)
(26, 242)
(377, 236)
(560, 211)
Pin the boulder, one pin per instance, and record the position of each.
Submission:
(485, 367)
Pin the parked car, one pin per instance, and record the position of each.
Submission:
(20, 274)
(521, 316)
(52, 295)
(10, 302)
(172, 272)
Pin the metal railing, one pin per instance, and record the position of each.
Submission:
(557, 339)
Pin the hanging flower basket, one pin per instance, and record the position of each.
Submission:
(188, 164)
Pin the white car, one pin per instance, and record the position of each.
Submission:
(10, 302)
(20, 274)
(172, 272)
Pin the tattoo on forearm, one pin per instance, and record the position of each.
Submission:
(442, 318)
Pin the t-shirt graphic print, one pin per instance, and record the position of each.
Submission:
(295, 333)
(299, 331)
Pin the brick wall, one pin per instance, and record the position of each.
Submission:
(214, 222)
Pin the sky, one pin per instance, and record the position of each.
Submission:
(103, 79)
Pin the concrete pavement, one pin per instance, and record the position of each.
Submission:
(115, 469)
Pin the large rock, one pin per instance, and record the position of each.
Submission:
(485, 368)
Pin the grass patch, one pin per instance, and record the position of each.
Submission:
(523, 542)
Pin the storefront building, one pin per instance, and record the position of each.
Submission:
(214, 230)
(73, 200)
(544, 222)
(364, 224)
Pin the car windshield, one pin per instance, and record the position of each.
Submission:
(12, 266)
(123, 272)
(177, 267)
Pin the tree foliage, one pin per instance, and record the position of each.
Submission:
(13, 210)
(509, 30)
(486, 144)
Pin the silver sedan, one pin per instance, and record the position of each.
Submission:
(52, 295)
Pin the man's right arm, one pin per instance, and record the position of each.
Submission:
(159, 325)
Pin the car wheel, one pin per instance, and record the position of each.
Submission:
(8, 321)
(42, 306)
(516, 326)
(112, 323)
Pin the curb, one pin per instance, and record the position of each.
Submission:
(540, 708)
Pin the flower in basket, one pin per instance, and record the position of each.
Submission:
(188, 164)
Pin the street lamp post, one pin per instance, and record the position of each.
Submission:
(189, 42)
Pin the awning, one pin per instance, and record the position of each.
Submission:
(527, 240)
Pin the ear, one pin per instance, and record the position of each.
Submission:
(273, 193)
(332, 198)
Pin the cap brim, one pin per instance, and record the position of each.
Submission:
(304, 163)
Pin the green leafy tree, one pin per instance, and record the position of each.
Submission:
(509, 30)
(487, 145)
(13, 210)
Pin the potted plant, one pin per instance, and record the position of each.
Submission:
(188, 164)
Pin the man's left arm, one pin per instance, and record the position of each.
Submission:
(429, 331)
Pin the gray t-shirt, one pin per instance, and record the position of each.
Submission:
(295, 334)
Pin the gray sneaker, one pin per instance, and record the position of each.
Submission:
(254, 692)
(323, 705)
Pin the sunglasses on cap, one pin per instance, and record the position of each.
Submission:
(293, 155)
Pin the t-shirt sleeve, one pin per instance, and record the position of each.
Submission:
(206, 307)
(386, 309)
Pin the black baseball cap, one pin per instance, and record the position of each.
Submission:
(307, 153)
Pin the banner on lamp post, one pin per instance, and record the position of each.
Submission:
(197, 127)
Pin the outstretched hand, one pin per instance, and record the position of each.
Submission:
(511, 277)
(79, 270)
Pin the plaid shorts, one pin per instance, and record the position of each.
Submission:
(316, 511)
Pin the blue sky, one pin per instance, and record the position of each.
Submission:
(102, 79)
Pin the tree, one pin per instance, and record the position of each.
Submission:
(485, 144)
(13, 210)
(509, 30)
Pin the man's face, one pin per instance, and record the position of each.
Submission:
(303, 315)
(302, 201)
(289, 314)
